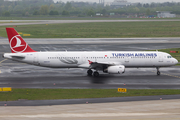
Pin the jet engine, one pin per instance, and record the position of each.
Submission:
(116, 69)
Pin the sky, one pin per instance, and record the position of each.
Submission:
(132, 1)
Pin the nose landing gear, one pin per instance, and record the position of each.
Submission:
(158, 72)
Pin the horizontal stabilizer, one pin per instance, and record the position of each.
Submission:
(18, 56)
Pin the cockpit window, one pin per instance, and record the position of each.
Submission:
(169, 56)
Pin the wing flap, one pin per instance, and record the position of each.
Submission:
(109, 63)
(100, 64)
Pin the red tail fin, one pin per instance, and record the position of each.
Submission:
(17, 44)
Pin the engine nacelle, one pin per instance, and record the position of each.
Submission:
(116, 69)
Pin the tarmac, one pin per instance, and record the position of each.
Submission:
(19, 75)
(134, 110)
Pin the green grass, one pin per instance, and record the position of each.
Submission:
(44, 94)
(99, 30)
(11, 21)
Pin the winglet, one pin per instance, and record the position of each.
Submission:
(17, 44)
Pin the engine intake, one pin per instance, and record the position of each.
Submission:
(116, 69)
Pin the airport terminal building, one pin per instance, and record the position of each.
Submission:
(165, 14)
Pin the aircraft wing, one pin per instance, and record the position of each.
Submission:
(94, 65)
(99, 65)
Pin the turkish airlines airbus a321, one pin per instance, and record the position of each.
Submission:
(112, 62)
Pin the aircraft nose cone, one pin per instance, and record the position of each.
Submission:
(176, 61)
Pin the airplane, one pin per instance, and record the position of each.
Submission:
(112, 62)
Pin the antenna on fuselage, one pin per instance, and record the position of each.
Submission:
(156, 50)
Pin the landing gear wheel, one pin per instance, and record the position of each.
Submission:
(158, 73)
(96, 74)
(89, 72)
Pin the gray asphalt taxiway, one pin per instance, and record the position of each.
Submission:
(20, 75)
(34, 22)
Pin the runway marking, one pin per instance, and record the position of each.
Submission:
(3, 61)
(169, 75)
(68, 115)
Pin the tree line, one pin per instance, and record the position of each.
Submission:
(49, 7)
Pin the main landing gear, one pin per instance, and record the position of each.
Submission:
(96, 74)
(90, 73)
(158, 72)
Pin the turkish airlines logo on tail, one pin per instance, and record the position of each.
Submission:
(17, 44)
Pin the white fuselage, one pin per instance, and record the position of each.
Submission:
(77, 59)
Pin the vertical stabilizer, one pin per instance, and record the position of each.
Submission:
(17, 44)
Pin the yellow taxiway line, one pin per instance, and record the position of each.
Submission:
(1, 62)
(169, 75)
